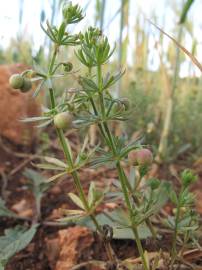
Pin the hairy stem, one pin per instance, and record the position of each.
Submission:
(70, 163)
(121, 173)
(174, 241)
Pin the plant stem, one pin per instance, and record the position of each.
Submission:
(96, 113)
(119, 168)
(134, 228)
(52, 62)
(140, 249)
(126, 197)
(174, 241)
(74, 174)
(136, 200)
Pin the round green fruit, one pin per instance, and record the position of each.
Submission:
(16, 81)
(27, 85)
(141, 157)
(63, 120)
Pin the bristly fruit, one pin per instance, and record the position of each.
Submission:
(16, 81)
(63, 120)
(141, 157)
(27, 85)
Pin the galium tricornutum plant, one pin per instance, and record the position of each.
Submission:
(93, 104)
(185, 220)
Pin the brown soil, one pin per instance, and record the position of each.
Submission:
(60, 248)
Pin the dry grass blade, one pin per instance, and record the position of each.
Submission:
(191, 56)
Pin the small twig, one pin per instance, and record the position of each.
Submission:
(4, 185)
(193, 266)
(21, 166)
(93, 262)
(42, 223)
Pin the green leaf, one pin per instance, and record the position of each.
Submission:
(95, 196)
(132, 177)
(76, 200)
(61, 31)
(88, 85)
(37, 184)
(13, 241)
(55, 177)
(118, 220)
(4, 211)
(91, 193)
(173, 197)
(109, 81)
(38, 89)
(161, 197)
(56, 162)
(35, 119)
(45, 124)
(185, 10)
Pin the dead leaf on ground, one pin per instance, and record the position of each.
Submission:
(72, 246)
(23, 208)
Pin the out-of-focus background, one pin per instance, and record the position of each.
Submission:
(164, 86)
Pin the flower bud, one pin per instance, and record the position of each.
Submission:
(63, 120)
(27, 85)
(154, 183)
(141, 157)
(188, 177)
(16, 81)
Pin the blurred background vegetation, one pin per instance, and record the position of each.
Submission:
(163, 85)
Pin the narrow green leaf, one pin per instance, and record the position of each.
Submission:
(38, 89)
(56, 162)
(91, 193)
(76, 200)
(55, 177)
(35, 119)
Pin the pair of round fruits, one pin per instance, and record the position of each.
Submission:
(17, 81)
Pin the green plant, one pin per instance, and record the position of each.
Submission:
(17, 238)
(185, 220)
(93, 104)
(13, 241)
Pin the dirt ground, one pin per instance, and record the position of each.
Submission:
(61, 248)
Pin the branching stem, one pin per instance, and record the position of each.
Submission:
(70, 163)
(121, 173)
